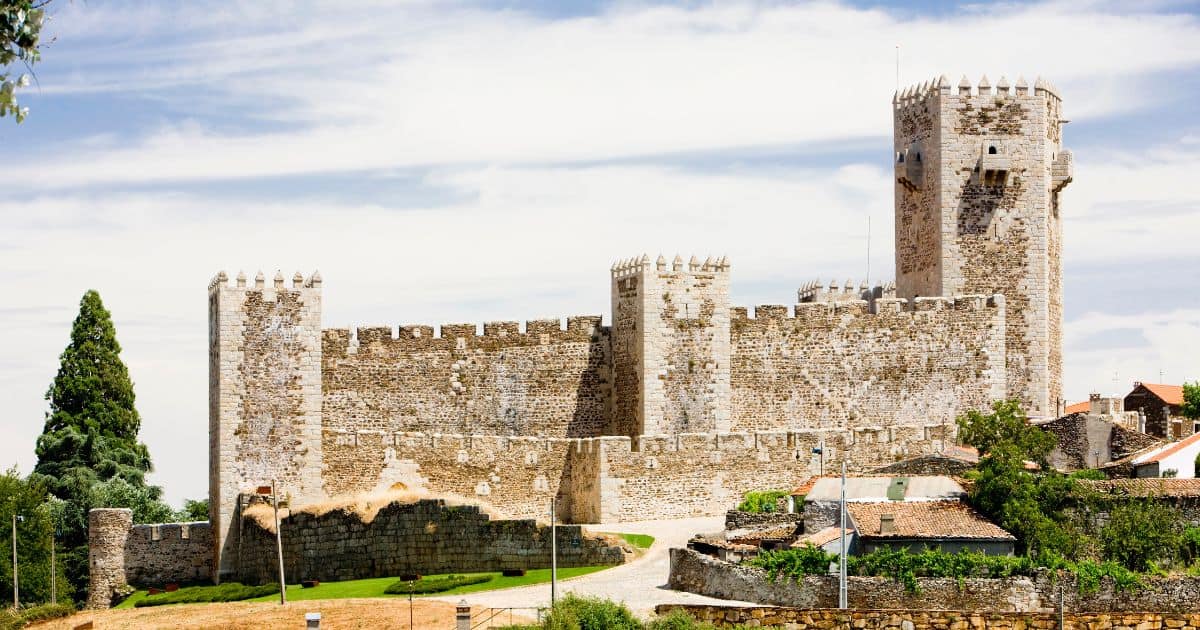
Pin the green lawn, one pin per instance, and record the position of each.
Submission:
(374, 587)
(640, 541)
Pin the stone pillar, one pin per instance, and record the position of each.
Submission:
(108, 529)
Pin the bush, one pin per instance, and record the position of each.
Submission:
(794, 563)
(227, 592)
(761, 501)
(1142, 532)
(589, 613)
(11, 619)
(438, 584)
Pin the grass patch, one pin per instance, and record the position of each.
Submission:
(227, 592)
(440, 584)
(377, 587)
(639, 541)
(11, 618)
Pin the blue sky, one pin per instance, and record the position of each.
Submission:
(448, 162)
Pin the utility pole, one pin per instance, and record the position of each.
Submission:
(53, 568)
(553, 552)
(16, 587)
(279, 545)
(842, 603)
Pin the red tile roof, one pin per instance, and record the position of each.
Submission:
(1171, 449)
(1170, 394)
(827, 535)
(925, 519)
(1079, 407)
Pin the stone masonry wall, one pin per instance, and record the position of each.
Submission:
(671, 342)
(425, 537)
(264, 393)
(824, 619)
(545, 381)
(696, 474)
(978, 179)
(697, 573)
(518, 476)
(838, 365)
(121, 553)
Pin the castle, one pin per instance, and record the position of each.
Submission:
(683, 401)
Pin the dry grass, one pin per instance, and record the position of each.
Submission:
(365, 506)
(335, 614)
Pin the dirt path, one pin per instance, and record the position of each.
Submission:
(335, 614)
(641, 584)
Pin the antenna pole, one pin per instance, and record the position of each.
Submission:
(897, 67)
(868, 252)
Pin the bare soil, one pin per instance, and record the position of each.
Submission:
(335, 614)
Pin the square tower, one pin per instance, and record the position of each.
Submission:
(978, 177)
(671, 346)
(264, 388)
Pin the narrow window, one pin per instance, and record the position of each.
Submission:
(992, 150)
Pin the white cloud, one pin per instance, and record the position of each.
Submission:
(421, 85)
(1172, 341)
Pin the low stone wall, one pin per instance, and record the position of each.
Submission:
(736, 519)
(121, 553)
(804, 619)
(424, 537)
(694, 572)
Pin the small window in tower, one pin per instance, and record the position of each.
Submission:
(900, 158)
(992, 150)
(918, 156)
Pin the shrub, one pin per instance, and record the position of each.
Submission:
(589, 613)
(761, 501)
(438, 584)
(1141, 532)
(11, 619)
(794, 563)
(227, 592)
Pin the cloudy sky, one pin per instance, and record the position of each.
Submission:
(449, 162)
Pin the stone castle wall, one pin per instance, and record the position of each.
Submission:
(544, 381)
(122, 553)
(839, 365)
(978, 177)
(425, 537)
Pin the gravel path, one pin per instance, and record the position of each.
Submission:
(640, 584)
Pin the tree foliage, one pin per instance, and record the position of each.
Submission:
(1191, 401)
(88, 453)
(20, 31)
(761, 501)
(35, 533)
(1143, 533)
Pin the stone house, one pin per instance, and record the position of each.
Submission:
(1092, 440)
(951, 526)
(823, 498)
(1161, 404)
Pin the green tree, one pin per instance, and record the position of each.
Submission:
(1029, 501)
(35, 532)
(194, 510)
(1191, 401)
(88, 453)
(20, 29)
(1143, 532)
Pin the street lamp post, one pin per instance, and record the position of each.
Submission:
(16, 580)
(553, 552)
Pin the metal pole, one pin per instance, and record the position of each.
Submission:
(411, 584)
(553, 553)
(16, 588)
(53, 572)
(842, 603)
(279, 545)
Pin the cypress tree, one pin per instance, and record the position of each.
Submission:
(88, 454)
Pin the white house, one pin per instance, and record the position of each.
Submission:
(1179, 457)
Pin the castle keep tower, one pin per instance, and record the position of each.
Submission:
(978, 178)
(671, 346)
(264, 396)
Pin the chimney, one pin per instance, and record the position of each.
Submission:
(887, 524)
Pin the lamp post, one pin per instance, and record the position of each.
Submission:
(53, 566)
(842, 595)
(553, 552)
(16, 580)
(279, 545)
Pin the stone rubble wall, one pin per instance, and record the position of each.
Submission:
(840, 365)
(122, 553)
(737, 519)
(696, 474)
(544, 381)
(827, 619)
(425, 537)
(697, 573)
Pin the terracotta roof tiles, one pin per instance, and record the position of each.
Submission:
(927, 519)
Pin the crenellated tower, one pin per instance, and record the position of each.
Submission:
(671, 346)
(264, 396)
(978, 175)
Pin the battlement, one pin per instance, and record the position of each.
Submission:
(809, 311)
(579, 328)
(815, 291)
(221, 281)
(628, 267)
(918, 94)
